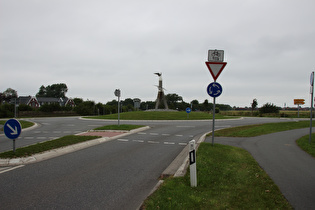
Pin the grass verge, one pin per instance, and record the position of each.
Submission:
(24, 124)
(261, 129)
(228, 178)
(124, 127)
(160, 115)
(304, 144)
(45, 146)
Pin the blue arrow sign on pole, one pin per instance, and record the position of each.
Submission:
(188, 110)
(214, 89)
(12, 129)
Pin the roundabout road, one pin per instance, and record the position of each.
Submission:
(118, 174)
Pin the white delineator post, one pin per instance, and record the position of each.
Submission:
(192, 163)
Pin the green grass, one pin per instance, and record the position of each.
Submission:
(24, 124)
(160, 115)
(228, 178)
(45, 146)
(303, 142)
(261, 129)
(121, 127)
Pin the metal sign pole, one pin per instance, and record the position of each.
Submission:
(213, 120)
(118, 111)
(312, 98)
(14, 146)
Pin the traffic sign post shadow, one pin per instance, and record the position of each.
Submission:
(12, 129)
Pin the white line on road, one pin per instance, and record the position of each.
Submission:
(122, 140)
(11, 168)
(169, 142)
(154, 134)
(166, 134)
(153, 142)
(140, 141)
(141, 133)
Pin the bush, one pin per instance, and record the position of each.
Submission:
(269, 108)
(24, 107)
(6, 110)
(50, 107)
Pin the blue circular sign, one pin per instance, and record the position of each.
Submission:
(214, 89)
(12, 129)
(188, 110)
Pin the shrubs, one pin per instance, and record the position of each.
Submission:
(269, 108)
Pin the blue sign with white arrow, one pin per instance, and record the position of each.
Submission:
(12, 129)
(214, 89)
(188, 110)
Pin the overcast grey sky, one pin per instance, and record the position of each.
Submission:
(97, 46)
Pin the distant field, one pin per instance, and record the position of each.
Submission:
(288, 114)
(160, 115)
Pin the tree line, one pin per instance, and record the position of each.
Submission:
(88, 107)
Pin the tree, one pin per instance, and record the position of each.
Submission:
(173, 100)
(54, 91)
(254, 105)
(9, 94)
(195, 105)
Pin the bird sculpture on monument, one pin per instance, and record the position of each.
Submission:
(160, 97)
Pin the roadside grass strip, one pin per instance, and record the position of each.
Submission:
(24, 124)
(124, 127)
(47, 145)
(228, 178)
(304, 144)
(261, 129)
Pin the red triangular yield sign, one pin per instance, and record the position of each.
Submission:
(215, 68)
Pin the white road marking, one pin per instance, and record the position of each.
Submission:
(28, 137)
(179, 135)
(154, 134)
(123, 139)
(141, 133)
(140, 141)
(185, 126)
(184, 144)
(169, 142)
(166, 134)
(153, 142)
(10, 169)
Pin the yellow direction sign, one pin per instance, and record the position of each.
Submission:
(299, 101)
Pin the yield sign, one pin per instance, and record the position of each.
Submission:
(215, 68)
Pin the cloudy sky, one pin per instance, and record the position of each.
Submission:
(97, 46)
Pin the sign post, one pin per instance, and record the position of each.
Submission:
(188, 110)
(192, 163)
(215, 65)
(299, 102)
(12, 129)
(312, 98)
(117, 93)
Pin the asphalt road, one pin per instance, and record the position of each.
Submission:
(114, 175)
